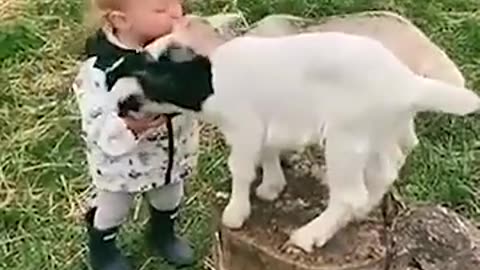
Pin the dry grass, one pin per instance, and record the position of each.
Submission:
(10, 9)
(43, 176)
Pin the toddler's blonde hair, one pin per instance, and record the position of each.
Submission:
(97, 11)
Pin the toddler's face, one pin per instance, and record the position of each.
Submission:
(151, 19)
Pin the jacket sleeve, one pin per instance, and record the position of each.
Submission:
(100, 122)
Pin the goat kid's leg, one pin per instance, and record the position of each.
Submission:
(242, 169)
(242, 160)
(346, 159)
(404, 144)
(273, 181)
(380, 173)
(408, 138)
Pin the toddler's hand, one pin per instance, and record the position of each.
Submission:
(139, 126)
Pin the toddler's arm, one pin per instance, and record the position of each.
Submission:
(100, 121)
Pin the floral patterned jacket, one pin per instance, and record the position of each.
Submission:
(118, 161)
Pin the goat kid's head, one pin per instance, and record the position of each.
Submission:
(176, 81)
(198, 34)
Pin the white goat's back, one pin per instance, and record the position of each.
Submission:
(309, 76)
(329, 74)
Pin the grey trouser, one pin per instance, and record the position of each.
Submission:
(113, 207)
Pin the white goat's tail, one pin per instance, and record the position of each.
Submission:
(439, 96)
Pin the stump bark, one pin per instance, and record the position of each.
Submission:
(415, 238)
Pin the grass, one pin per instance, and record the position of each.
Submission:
(43, 176)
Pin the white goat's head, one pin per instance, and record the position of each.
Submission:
(170, 76)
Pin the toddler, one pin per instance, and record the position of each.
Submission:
(151, 155)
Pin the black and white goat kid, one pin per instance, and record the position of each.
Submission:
(271, 94)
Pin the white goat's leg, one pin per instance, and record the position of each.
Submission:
(380, 173)
(405, 143)
(346, 159)
(273, 181)
(397, 155)
(242, 160)
(408, 139)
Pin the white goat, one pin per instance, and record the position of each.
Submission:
(271, 94)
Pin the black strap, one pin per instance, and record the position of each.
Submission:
(171, 149)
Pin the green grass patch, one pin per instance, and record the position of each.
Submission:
(18, 38)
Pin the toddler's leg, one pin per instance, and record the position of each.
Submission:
(164, 204)
(109, 211)
(166, 198)
(112, 209)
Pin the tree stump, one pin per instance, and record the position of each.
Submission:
(259, 245)
(415, 238)
(434, 238)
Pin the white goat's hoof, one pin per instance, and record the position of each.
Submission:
(303, 239)
(269, 192)
(234, 216)
(321, 240)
